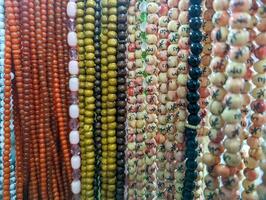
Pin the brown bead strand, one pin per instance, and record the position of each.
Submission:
(40, 54)
(28, 129)
(35, 87)
(56, 95)
(13, 28)
(55, 191)
(66, 52)
(17, 128)
(60, 57)
(7, 116)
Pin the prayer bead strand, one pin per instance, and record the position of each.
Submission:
(162, 45)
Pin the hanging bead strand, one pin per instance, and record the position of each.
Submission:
(7, 109)
(258, 119)
(162, 45)
(139, 74)
(78, 57)
(73, 87)
(122, 6)
(217, 79)
(2, 88)
(258, 105)
(98, 99)
(238, 38)
(151, 85)
(181, 37)
(193, 84)
(131, 154)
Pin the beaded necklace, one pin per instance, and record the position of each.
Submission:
(193, 84)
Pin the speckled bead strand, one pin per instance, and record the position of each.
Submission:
(258, 106)
(161, 47)
(238, 39)
(131, 155)
(141, 104)
(216, 106)
(151, 85)
(73, 87)
(122, 6)
(180, 37)
(193, 119)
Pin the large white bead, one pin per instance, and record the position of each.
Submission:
(74, 137)
(75, 162)
(74, 84)
(75, 187)
(71, 9)
(73, 67)
(72, 39)
(74, 111)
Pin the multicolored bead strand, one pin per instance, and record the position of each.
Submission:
(131, 154)
(122, 6)
(217, 79)
(140, 88)
(181, 39)
(193, 84)
(73, 87)
(258, 106)
(151, 85)
(238, 38)
(204, 90)
(161, 47)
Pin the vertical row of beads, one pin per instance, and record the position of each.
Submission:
(162, 45)
(131, 102)
(2, 93)
(193, 84)
(151, 80)
(89, 101)
(181, 38)
(141, 56)
(217, 79)
(238, 37)
(258, 106)
(172, 112)
(104, 83)
(122, 6)
(7, 110)
(109, 83)
(98, 97)
(73, 87)
(204, 90)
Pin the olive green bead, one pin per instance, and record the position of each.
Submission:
(88, 33)
(89, 18)
(89, 27)
(90, 3)
(80, 12)
(90, 11)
